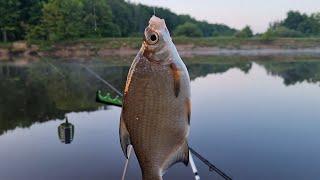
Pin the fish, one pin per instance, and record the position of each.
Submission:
(155, 117)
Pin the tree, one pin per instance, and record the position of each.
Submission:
(30, 15)
(9, 13)
(316, 17)
(308, 27)
(294, 19)
(296, 25)
(246, 32)
(122, 13)
(98, 19)
(188, 29)
(63, 19)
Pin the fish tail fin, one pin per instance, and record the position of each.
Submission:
(181, 155)
(124, 137)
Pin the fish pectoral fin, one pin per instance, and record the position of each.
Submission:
(124, 137)
(181, 155)
(176, 78)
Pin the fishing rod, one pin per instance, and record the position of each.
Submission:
(127, 162)
(210, 165)
(114, 101)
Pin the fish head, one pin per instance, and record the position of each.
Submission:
(157, 46)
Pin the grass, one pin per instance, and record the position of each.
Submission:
(218, 42)
(231, 42)
(5, 44)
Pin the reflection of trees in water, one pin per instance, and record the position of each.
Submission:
(294, 72)
(201, 70)
(40, 91)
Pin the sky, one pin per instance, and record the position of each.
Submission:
(237, 13)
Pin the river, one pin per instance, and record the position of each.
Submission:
(253, 119)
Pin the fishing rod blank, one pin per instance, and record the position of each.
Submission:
(211, 166)
(193, 167)
(127, 162)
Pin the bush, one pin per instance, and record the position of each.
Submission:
(282, 31)
(267, 36)
(188, 29)
(244, 33)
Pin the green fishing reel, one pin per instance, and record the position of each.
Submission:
(108, 100)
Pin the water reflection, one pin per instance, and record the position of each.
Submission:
(37, 92)
(246, 115)
(40, 91)
(294, 72)
(66, 132)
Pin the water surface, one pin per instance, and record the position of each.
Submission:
(254, 120)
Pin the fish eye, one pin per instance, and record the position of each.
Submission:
(153, 38)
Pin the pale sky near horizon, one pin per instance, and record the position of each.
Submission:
(237, 13)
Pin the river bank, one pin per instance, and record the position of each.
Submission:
(187, 47)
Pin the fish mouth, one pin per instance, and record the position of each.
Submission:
(157, 23)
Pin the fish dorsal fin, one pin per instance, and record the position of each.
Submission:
(181, 155)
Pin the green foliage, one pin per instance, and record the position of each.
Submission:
(282, 31)
(63, 19)
(309, 27)
(56, 20)
(188, 29)
(267, 36)
(246, 32)
(296, 25)
(98, 19)
(294, 19)
(9, 21)
(17, 16)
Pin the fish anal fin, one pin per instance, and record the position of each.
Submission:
(176, 78)
(181, 155)
(124, 137)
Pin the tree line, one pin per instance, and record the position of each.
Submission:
(296, 24)
(54, 20)
(69, 19)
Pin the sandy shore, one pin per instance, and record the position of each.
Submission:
(85, 50)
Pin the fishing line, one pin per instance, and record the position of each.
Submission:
(55, 68)
(102, 80)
